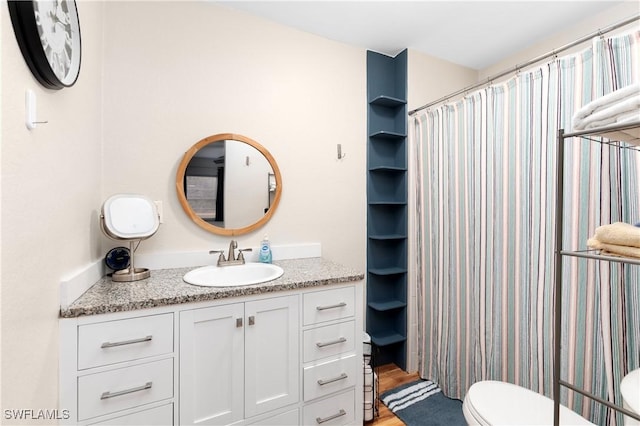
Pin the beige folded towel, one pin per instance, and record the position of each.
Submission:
(614, 249)
(619, 233)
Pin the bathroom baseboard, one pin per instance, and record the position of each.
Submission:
(72, 287)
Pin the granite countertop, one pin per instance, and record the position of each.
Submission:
(166, 287)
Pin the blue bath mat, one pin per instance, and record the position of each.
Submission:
(421, 403)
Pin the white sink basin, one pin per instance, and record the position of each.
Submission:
(235, 275)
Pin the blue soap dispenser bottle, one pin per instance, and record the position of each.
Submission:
(265, 250)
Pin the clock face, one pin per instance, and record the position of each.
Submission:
(48, 32)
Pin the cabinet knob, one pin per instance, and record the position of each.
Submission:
(252, 320)
(238, 322)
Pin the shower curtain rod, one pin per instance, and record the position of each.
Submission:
(518, 67)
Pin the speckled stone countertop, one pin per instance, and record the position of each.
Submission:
(166, 287)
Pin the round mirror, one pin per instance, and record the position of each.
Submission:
(228, 184)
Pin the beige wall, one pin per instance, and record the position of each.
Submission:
(431, 78)
(51, 184)
(190, 70)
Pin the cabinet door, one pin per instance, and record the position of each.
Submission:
(271, 354)
(211, 366)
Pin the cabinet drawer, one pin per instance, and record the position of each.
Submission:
(329, 340)
(328, 305)
(129, 387)
(111, 342)
(330, 377)
(337, 410)
(158, 416)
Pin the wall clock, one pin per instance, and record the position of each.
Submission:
(48, 33)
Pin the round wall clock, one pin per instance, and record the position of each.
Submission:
(48, 33)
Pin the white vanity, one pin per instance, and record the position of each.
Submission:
(161, 351)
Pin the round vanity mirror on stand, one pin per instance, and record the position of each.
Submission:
(228, 184)
(133, 218)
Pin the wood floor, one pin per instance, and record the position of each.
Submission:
(389, 377)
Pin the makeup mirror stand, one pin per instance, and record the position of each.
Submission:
(131, 273)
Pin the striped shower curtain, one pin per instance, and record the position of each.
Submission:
(483, 244)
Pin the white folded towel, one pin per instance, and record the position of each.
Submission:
(629, 117)
(624, 111)
(607, 100)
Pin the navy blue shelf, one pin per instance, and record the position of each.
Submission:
(386, 134)
(387, 101)
(389, 270)
(388, 339)
(388, 236)
(387, 220)
(387, 305)
(387, 169)
(387, 203)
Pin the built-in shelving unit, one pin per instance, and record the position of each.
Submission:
(617, 137)
(387, 206)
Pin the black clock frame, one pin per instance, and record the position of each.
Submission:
(24, 26)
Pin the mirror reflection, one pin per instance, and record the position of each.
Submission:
(228, 184)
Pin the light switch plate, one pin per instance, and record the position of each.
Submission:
(160, 212)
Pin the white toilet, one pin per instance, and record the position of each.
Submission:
(630, 390)
(500, 403)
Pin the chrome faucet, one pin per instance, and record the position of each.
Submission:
(231, 258)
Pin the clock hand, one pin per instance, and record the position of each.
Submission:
(61, 15)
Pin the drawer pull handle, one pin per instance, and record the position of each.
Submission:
(126, 342)
(335, 379)
(333, 342)
(340, 413)
(337, 305)
(108, 394)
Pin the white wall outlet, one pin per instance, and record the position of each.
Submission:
(160, 212)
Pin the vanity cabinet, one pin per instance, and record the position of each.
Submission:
(238, 361)
(277, 358)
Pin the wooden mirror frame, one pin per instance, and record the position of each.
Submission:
(182, 197)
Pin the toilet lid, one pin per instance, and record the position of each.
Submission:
(500, 403)
(630, 390)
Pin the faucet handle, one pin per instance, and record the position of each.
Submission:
(241, 255)
(221, 258)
